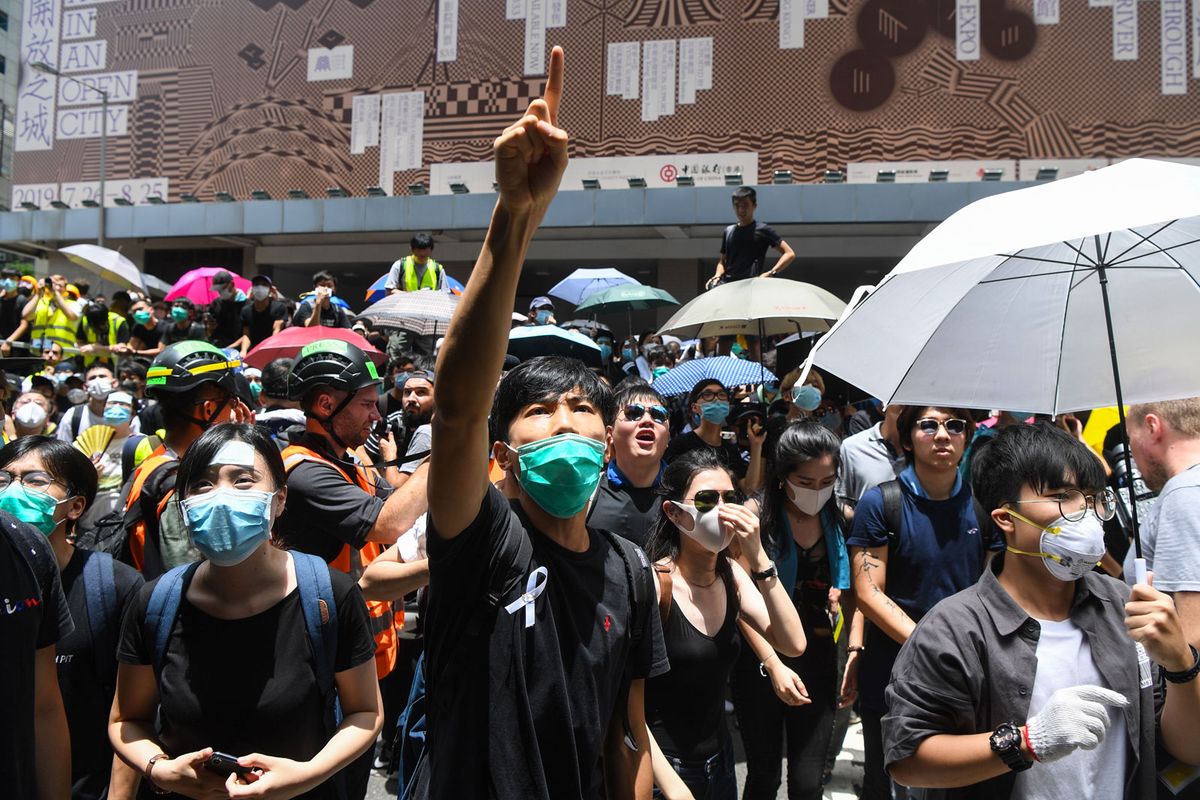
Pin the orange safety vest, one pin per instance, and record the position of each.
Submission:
(385, 621)
(137, 532)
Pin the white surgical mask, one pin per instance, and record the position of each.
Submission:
(810, 501)
(99, 387)
(76, 396)
(30, 415)
(1069, 549)
(706, 528)
(260, 293)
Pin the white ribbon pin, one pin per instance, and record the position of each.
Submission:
(534, 586)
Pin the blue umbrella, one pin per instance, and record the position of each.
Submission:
(530, 341)
(583, 283)
(376, 292)
(728, 370)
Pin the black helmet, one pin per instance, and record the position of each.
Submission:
(186, 365)
(333, 363)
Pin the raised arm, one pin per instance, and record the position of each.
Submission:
(868, 566)
(531, 156)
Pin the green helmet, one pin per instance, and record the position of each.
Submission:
(186, 365)
(333, 363)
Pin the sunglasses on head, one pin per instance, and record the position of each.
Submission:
(707, 499)
(954, 427)
(635, 411)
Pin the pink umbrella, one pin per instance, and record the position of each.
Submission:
(196, 285)
(289, 341)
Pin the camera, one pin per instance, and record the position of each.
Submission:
(1130, 488)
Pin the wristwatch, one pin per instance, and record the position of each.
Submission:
(770, 572)
(1006, 743)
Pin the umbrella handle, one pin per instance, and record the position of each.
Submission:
(1139, 570)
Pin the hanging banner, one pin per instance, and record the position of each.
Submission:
(1174, 37)
(1045, 12)
(623, 69)
(364, 124)
(35, 95)
(515, 9)
(791, 24)
(556, 13)
(658, 79)
(447, 31)
(535, 38)
(966, 30)
(121, 88)
(1125, 30)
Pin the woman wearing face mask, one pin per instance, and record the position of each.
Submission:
(806, 396)
(50, 485)
(779, 698)
(703, 593)
(231, 661)
(118, 415)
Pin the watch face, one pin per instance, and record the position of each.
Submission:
(1005, 737)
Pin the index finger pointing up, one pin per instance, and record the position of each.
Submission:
(554, 84)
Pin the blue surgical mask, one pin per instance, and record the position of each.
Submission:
(807, 397)
(179, 314)
(560, 473)
(117, 415)
(716, 411)
(36, 508)
(627, 353)
(256, 389)
(606, 352)
(542, 316)
(8, 284)
(227, 525)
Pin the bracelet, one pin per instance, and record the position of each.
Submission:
(149, 771)
(856, 648)
(762, 665)
(1186, 675)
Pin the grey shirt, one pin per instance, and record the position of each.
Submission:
(1171, 535)
(971, 662)
(867, 461)
(421, 442)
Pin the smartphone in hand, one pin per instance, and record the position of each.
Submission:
(225, 764)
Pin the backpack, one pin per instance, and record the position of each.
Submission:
(100, 594)
(320, 623)
(157, 537)
(501, 579)
(893, 509)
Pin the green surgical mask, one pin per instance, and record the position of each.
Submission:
(141, 317)
(179, 314)
(36, 508)
(560, 473)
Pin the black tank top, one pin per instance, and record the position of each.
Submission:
(685, 708)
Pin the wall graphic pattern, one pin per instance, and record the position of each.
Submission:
(238, 95)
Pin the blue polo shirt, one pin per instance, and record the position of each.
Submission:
(937, 552)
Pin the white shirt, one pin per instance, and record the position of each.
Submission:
(1064, 659)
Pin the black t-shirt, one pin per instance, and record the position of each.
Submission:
(228, 313)
(628, 511)
(148, 336)
(332, 316)
(262, 323)
(35, 616)
(728, 452)
(85, 694)
(171, 333)
(745, 249)
(531, 705)
(248, 685)
(10, 314)
(325, 511)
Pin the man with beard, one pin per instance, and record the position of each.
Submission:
(416, 410)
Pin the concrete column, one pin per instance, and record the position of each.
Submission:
(683, 279)
(249, 266)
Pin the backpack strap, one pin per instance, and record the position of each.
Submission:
(320, 614)
(129, 454)
(164, 607)
(664, 592)
(635, 562)
(893, 509)
(76, 421)
(100, 594)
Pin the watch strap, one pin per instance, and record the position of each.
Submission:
(1186, 675)
(770, 572)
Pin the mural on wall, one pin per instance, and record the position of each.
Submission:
(239, 95)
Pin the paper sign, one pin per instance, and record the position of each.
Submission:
(1174, 39)
(966, 30)
(364, 123)
(331, 64)
(1125, 30)
(447, 31)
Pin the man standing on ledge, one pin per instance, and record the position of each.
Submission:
(540, 632)
(417, 270)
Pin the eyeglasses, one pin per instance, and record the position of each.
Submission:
(712, 394)
(1073, 504)
(707, 499)
(929, 426)
(635, 411)
(37, 481)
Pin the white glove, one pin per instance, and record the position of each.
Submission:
(1071, 719)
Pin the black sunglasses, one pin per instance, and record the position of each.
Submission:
(707, 499)
(929, 426)
(635, 411)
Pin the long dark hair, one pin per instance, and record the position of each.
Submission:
(800, 442)
(664, 538)
(62, 462)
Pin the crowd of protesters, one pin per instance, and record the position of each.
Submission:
(540, 579)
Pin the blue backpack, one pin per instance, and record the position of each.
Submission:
(320, 622)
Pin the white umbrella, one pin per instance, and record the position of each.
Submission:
(156, 285)
(108, 264)
(582, 283)
(1066, 296)
(756, 307)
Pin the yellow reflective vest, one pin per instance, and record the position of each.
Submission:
(93, 337)
(51, 324)
(429, 280)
